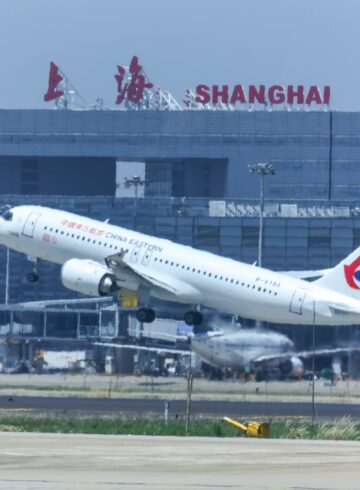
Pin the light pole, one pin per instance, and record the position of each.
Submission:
(7, 275)
(261, 169)
(134, 181)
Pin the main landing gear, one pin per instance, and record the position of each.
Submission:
(145, 315)
(194, 318)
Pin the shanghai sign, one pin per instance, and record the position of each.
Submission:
(275, 94)
(135, 91)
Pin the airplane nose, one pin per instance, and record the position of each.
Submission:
(5, 213)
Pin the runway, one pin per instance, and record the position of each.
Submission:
(83, 462)
(211, 408)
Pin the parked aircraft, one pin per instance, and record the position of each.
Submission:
(246, 348)
(98, 259)
(260, 350)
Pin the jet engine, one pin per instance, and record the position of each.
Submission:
(293, 367)
(88, 277)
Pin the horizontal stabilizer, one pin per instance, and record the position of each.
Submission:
(307, 275)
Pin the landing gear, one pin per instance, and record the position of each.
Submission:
(193, 318)
(32, 277)
(145, 315)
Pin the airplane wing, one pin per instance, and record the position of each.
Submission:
(303, 354)
(151, 278)
(159, 350)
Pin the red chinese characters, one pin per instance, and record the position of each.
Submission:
(80, 227)
(54, 79)
(133, 89)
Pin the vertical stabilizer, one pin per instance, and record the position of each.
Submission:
(345, 277)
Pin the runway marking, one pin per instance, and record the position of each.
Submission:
(17, 409)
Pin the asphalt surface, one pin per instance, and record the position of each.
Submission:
(34, 461)
(142, 406)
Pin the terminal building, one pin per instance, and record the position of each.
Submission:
(198, 188)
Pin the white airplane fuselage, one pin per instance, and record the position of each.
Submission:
(176, 272)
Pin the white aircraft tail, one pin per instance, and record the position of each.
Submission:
(344, 278)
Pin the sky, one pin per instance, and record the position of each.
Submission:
(180, 43)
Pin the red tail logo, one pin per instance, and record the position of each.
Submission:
(352, 274)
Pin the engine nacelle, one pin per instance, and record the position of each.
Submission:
(293, 367)
(88, 277)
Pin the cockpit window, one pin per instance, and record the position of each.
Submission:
(6, 213)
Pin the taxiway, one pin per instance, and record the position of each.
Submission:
(89, 462)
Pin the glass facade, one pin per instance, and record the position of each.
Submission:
(188, 153)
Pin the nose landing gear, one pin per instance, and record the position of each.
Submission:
(33, 276)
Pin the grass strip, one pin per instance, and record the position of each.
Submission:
(343, 429)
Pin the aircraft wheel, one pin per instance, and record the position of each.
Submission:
(32, 277)
(193, 318)
(145, 315)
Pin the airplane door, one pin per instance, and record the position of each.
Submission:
(297, 301)
(30, 224)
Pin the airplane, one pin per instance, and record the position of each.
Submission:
(259, 349)
(248, 348)
(98, 259)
